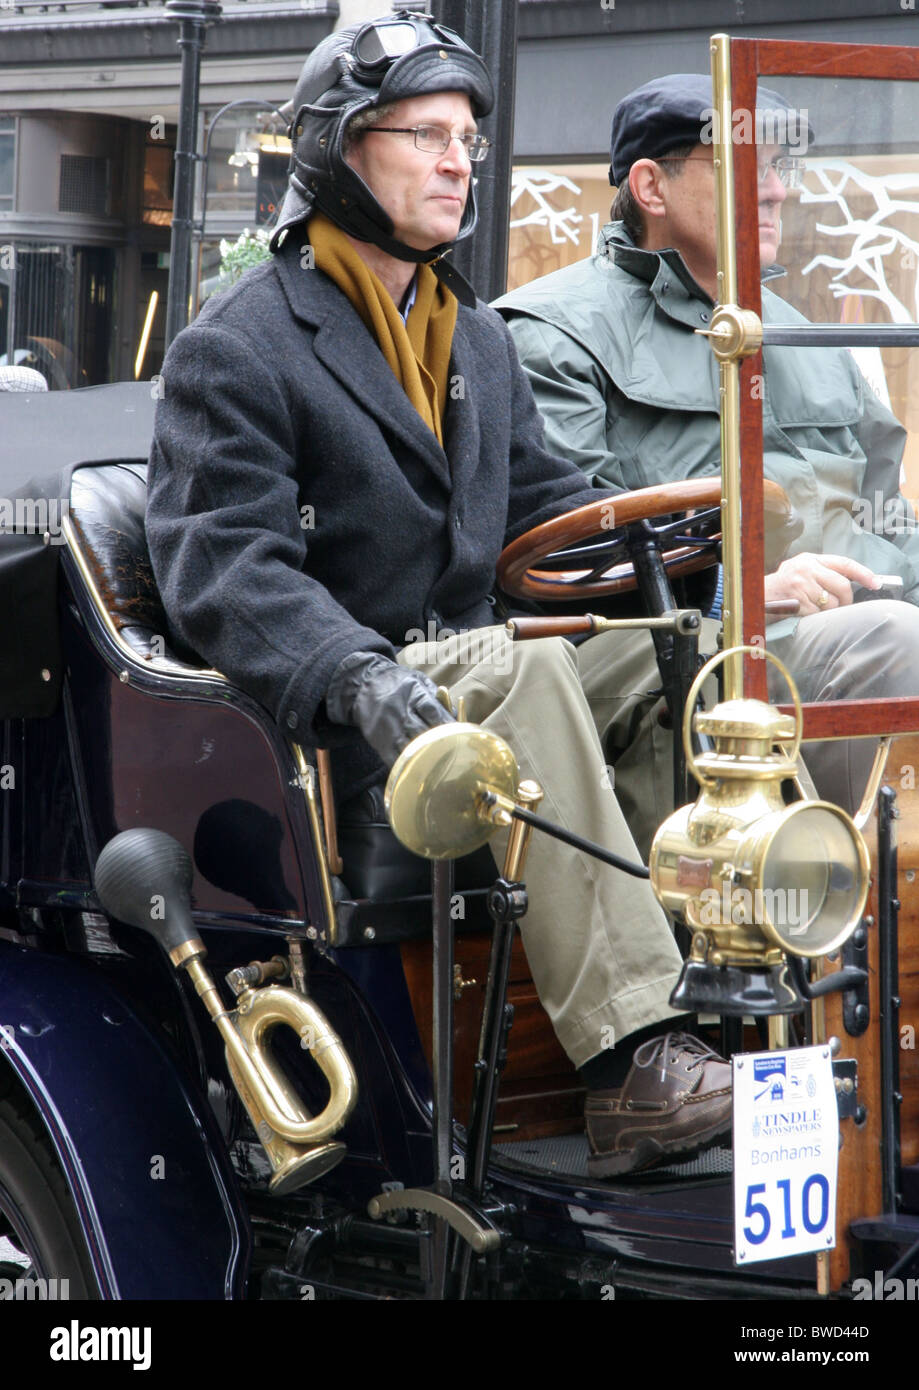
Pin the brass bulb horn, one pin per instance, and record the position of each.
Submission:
(144, 877)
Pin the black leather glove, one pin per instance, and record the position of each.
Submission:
(389, 703)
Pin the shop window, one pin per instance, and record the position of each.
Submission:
(850, 246)
(59, 312)
(247, 166)
(7, 162)
(557, 211)
(159, 166)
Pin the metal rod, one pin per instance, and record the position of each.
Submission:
(195, 15)
(307, 780)
(497, 1016)
(495, 1024)
(329, 819)
(442, 1046)
(841, 335)
(685, 665)
(678, 620)
(675, 642)
(506, 903)
(588, 846)
(732, 611)
(888, 999)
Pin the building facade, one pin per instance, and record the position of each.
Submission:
(89, 93)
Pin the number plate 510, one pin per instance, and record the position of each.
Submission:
(786, 1139)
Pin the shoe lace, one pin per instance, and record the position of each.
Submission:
(666, 1047)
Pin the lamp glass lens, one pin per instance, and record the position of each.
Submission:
(812, 881)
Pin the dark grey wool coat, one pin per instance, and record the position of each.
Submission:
(299, 508)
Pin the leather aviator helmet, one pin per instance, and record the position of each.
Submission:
(354, 70)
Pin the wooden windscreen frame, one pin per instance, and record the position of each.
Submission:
(752, 59)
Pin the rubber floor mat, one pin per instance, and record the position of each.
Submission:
(566, 1155)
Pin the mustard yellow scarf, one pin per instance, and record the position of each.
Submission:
(418, 352)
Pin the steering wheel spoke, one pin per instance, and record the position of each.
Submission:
(551, 562)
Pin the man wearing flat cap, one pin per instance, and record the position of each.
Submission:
(629, 391)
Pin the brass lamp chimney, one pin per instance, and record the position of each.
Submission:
(752, 878)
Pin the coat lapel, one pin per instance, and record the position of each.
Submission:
(347, 350)
(462, 438)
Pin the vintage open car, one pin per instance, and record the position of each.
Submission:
(377, 1106)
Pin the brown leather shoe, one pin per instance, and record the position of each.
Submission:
(676, 1101)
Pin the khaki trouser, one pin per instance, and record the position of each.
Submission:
(600, 948)
(867, 651)
(602, 955)
(863, 651)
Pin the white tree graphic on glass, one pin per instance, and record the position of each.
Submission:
(872, 240)
(562, 223)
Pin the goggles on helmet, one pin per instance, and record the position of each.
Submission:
(383, 42)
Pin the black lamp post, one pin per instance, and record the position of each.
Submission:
(490, 27)
(194, 16)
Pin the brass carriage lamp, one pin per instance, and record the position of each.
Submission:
(754, 880)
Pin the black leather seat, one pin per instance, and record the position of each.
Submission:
(378, 866)
(385, 886)
(107, 504)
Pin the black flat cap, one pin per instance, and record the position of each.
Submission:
(677, 110)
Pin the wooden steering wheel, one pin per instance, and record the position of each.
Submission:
(537, 566)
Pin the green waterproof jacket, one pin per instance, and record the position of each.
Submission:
(629, 392)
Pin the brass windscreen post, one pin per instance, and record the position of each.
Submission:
(734, 333)
(729, 376)
(307, 781)
(327, 798)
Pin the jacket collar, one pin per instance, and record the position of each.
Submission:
(672, 286)
(346, 348)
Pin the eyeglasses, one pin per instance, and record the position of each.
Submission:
(434, 139)
(788, 170)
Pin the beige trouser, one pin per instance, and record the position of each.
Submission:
(601, 951)
(862, 651)
(866, 651)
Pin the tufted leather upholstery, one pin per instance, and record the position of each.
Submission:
(107, 504)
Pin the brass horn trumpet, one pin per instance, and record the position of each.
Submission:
(144, 877)
(281, 1120)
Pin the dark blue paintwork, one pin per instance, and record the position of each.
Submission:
(113, 1100)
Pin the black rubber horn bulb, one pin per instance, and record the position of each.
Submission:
(144, 877)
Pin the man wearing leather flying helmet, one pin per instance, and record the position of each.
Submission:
(386, 63)
(345, 444)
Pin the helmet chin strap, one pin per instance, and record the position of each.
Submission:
(357, 224)
(443, 269)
